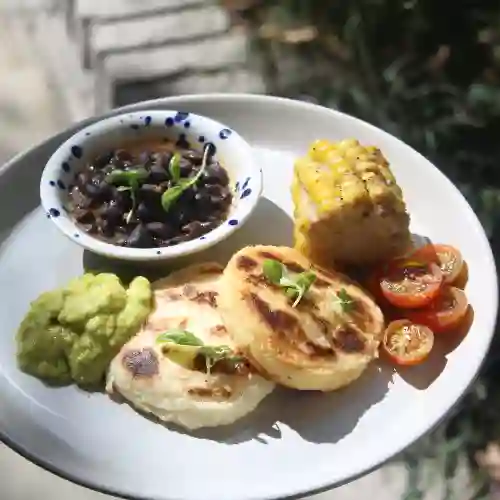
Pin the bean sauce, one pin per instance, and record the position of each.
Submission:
(133, 215)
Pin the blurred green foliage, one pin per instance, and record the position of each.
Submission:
(427, 71)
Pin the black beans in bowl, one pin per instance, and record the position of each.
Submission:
(150, 194)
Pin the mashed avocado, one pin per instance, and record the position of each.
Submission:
(72, 334)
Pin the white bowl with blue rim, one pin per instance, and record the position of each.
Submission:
(186, 129)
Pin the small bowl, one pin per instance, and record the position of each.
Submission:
(186, 129)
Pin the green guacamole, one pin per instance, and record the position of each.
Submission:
(72, 334)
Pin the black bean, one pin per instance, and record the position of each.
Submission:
(108, 169)
(103, 160)
(144, 212)
(203, 202)
(162, 159)
(112, 213)
(90, 227)
(215, 190)
(140, 237)
(186, 168)
(121, 240)
(82, 178)
(193, 229)
(215, 174)
(160, 230)
(122, 156)
(193, 156)
(122, 199)
(106, 228)
(150, 194)
(79, 198)
(83, 216)
(145, 159)
(176, 240)
(158, 174)
(216, 217)
(98, 191)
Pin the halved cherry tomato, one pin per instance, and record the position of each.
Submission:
(410, 283)
(445, 313)
(448, 258)
(407, 343)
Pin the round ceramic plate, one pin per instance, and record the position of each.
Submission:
(295, 443)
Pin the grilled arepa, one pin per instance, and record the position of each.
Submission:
(348, 208)
(165, 372)
(322, 339)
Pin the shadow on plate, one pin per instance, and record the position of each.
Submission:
(317, 417)
(328, 417)
(268, 225)
(422, 376)
(260, 425)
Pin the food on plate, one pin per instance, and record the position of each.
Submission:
(445, 313)
(410, 283)
(72, 333)
(348, 208)
(184, 366)
(407, 343)
(448, 258)
(415, 290)
(151, 194)
(304, 327)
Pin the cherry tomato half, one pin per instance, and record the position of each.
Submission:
(448, 258)
(407, 343)
(445, 313)
(410, 283)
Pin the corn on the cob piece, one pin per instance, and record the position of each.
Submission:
(348, 207)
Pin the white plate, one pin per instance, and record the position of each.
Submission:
(296, 443)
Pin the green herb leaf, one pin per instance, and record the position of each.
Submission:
(181, 337)
(295, 285)
(214, 354)
(303, 282)
(306, 279)
(273, 270)
(129, 178)
(292, 293)
(170, 196)
(123, 188)
(345, 301)
(174, 167)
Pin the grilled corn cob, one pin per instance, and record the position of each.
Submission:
(348, 208)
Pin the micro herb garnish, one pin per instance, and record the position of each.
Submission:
(344, 300)
(180, 337)
(174, 167)
(185, 341)
(128, 180)
(172, 194)
(295, 285)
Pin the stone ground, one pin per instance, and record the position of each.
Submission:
(31, 110)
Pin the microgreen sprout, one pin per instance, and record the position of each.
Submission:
(295, 285)
(128, 180)
(185, 341)
(172, 194)
(344, 300)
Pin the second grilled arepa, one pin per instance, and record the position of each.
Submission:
(304, 327)
(182, 366)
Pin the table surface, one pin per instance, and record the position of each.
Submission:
(22, 480)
